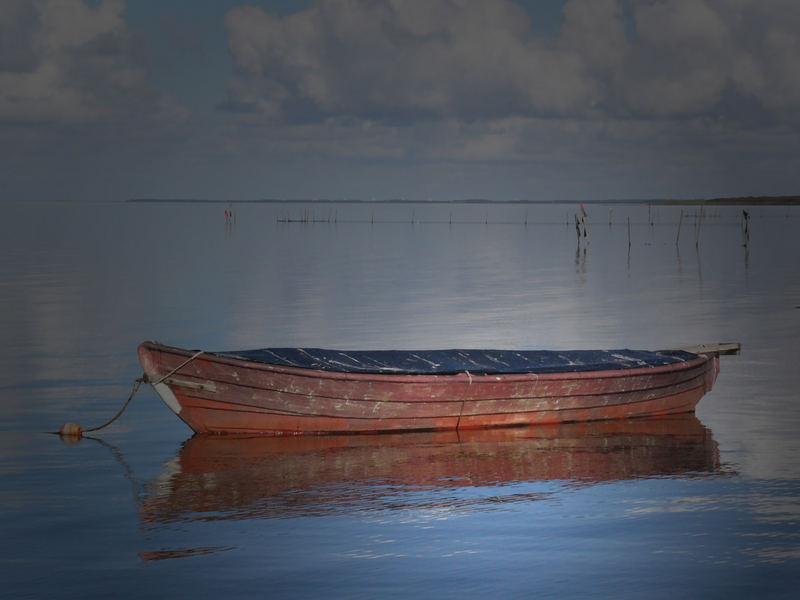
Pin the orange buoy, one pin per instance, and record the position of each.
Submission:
(70, 430)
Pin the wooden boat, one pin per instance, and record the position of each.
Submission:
(294, 391)
(236, 477)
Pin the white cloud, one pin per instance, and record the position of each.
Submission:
(691, 56)
(402, 60)
(17, 53)
(398, 61)
(69, 63)
(594, 30)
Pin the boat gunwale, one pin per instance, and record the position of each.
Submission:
(422, 378)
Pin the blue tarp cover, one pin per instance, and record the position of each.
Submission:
(428, 362)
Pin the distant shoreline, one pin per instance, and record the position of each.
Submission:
(743, 201)
(733, 201)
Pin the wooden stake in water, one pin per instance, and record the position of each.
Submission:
(698, 225)
(680, 222)
(629, 233)
(583, 218)
(746, 216)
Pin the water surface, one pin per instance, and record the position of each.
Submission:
(705, 505)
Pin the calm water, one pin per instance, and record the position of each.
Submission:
(699, 506)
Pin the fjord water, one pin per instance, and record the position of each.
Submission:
(696, 506)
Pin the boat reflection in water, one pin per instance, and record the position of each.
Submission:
(226, 477)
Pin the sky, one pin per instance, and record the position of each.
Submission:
(106, 100)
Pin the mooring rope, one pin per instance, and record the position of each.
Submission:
(75, 430)
(178, 368)
(135, 389)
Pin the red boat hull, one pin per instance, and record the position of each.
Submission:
(220, 395)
